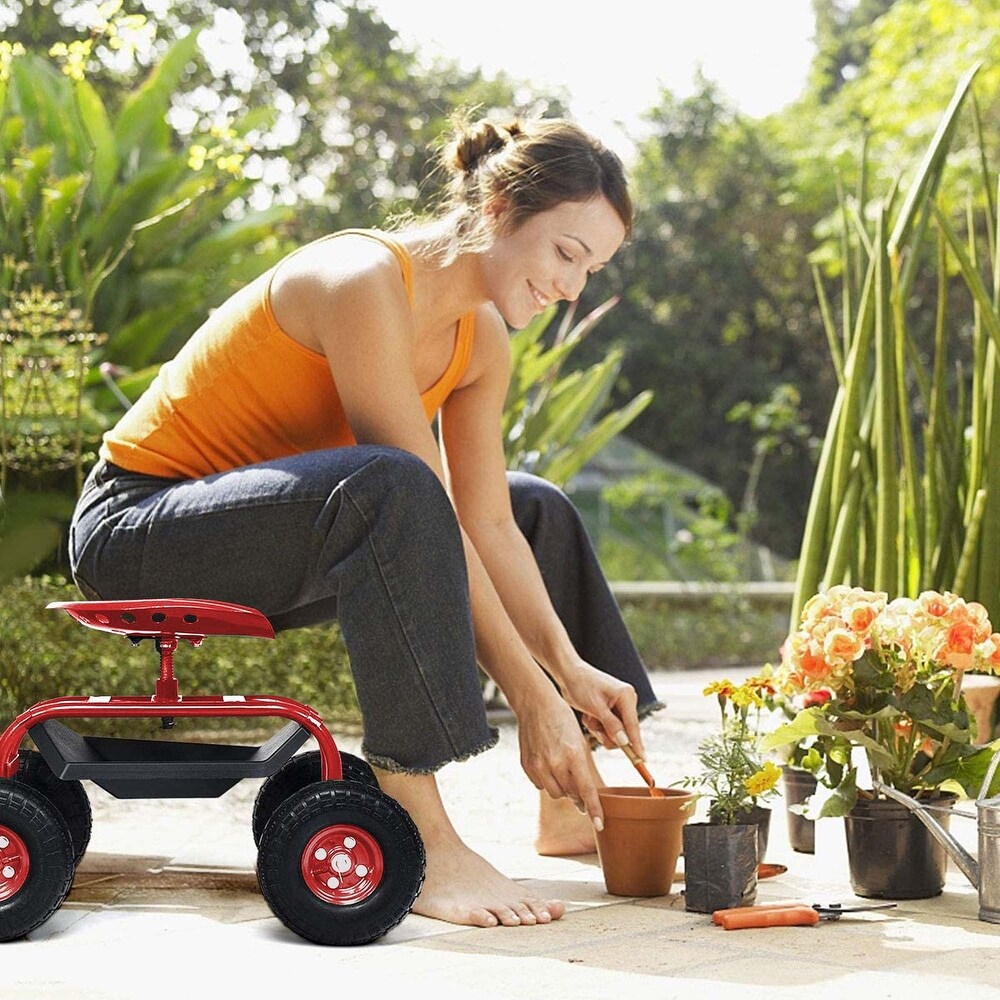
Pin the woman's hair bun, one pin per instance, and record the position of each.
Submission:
(478, 140)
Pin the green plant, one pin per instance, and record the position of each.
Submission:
(714, 631)
(108, 222)
(550, 422)
(889, 676)
(906, 495)
(45, 653)
(733, 771)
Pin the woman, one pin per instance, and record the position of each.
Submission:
(285, 460)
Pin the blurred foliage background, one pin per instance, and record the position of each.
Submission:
(160, 183)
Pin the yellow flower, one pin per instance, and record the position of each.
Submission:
(76, 55)
(231, 164)
(7, 54)
(724, 688)
(745, 695)
(196, 157)
(764, 780)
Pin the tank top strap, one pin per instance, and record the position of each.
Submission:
(400, 252)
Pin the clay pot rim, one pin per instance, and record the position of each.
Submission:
(642, 791)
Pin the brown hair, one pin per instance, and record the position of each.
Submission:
(532, 166)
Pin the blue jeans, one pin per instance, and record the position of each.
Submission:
(365, 535)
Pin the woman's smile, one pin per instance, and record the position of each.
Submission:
(541, 299)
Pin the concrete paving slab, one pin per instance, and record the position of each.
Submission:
(166, 902)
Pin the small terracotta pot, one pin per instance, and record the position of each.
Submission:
(641, 840)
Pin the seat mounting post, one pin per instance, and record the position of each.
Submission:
(166, 685)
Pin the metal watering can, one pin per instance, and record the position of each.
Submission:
(984, 874)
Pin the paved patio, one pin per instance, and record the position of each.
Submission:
(166, 904)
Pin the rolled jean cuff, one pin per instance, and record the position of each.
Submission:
(645, 711)
(395, 767)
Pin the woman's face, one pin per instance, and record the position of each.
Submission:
(549, 257)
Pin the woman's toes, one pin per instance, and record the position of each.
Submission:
(507, 916)
(540, 911)
(524, 912)
(482, 918)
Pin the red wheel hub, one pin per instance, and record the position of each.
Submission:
(14, 863)
(342, 864)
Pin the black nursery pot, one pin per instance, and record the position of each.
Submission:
(891, 854)
(799, 785)
(720, 866)
(761, 816)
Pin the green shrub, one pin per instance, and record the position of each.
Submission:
(46, 654)
(718, 631)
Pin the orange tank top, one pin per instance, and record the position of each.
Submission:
(241, 390)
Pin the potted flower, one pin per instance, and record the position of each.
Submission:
(801, 763)
(722, 854)
(891, 711)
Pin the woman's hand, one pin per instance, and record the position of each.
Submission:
(607, 705)
(555, 755)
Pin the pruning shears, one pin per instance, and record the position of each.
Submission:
(787, 914)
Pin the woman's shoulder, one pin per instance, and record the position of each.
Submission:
(334, 276)
(340, 257)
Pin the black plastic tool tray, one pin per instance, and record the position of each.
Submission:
(140, 769)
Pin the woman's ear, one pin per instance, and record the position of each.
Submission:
(494, 212)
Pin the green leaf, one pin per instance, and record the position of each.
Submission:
(136, 129)
(929, 171)
(568, 462)
(98, 126)
(838, 801)
(131, 204)
(966, 765)
(31, 528)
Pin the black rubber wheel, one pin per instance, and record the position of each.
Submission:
(67, 795)
(340, 863)
(303, 769)
(36, 859)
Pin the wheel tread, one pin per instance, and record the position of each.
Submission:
(313, 801)
(33, 814)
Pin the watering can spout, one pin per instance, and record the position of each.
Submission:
(965, 861)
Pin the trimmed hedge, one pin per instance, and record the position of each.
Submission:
(718, 631)
(46, 654)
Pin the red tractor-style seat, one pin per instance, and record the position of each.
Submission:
(184, 618)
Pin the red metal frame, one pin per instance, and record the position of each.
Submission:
(212, 618)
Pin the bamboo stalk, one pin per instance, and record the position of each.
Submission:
(911, 516)
(991, 207)
(886, 460)
(828, 325)
(967, 557)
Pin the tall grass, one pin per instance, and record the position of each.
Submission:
(906, 495)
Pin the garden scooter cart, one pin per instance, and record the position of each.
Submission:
(339, 862)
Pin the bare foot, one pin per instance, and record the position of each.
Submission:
(460, 886)
(464, 888)
(563, 831)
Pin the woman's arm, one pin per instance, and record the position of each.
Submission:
(475, 471)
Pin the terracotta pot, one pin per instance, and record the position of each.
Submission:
(641, 840)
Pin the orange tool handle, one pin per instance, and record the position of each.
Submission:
(779, 916)
(719, 914)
